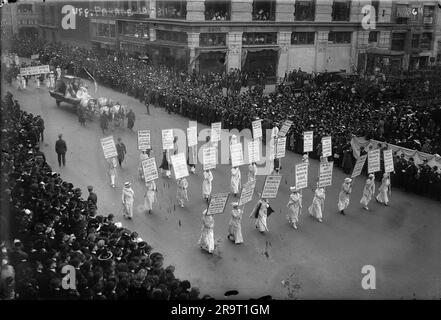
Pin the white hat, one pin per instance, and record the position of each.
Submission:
(348, 180)
(235, 204)
(293, 189)
(127, 184)
(371, 176)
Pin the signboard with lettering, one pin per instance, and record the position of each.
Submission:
(144, 140)
(247, 192)
(326, 146)
(280, 147)
(236, 154)
(167, 139)
(285, 128)
(301, 172)
(179, 165)
(325, 174)
(216, 129)
(388, 161)
(150, 169)
(308, 137)
(254, 151)
(217, 203)
(271, 186)
(257, 129)
(109, 147)
(374, 161)
(30, 71)
(192, 136)
(209, 158)
(359, 166)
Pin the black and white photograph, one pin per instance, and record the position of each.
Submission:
(226, 150)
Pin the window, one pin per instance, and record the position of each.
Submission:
(104, 30)
(339, 37)
(373, 36)
(304, 10)
(428, 13)
(264, 10)
(416, 41)
(52, 15)
(171, 9)
(134, 29)
(171, 36)
(217, 10)
(402, 14)
(213, 39)
(426, 41)
(302, 37)
(398, 41)
(376, 5)
(341, 10)
(262, 38)
(24, 8)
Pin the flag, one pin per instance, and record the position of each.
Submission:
(94, 81)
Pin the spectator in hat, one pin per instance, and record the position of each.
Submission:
(235, 224)
(61, 149)
(92, 195)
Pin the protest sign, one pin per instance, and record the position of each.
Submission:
(216, 129)
(308, 138)
(301, 173)
(209, 158)
(325, 174)
(359, 166)
(247, 192)
(326, 146)
(257, 129)
(144, 140)
(280, 147)
(217, 203)
(179, 165)
(388, 161)
(236, 154)
(254, 151)
(374, 161)
(109, 147)
(150, 170)
(271, 186)
(167, 139)
(285, 128)
(30, 71)
(192, 136)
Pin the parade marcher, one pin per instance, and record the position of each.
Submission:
(252, 171)
(127, 200)
(343, 197)
(206, 240)
(305, 158)
(317, 207)
(295, 207)
(165, 166)
(235, 225)
(112, 163)
(121, 150)
(130, 119)
(144, 155)
(368, 191)
(150, 195)
(207, 185)
(192, 158)
(181, 193)
(261, 211)
(235, 180)
(104, 122)
(61, 149)
(92, 195)
(385, 191)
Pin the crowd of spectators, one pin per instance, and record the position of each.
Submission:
(404, 112)
(52, 226)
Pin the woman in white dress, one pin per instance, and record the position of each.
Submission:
(207, 184)
(252, 171)
(235, 180)
(112, 163)
(318, 204)
(368, 191)
(385, 190)
(260, 214)
(127, 200)
(235, 225)
(295, 206)
(206, 240)
(343, 197)
(192, 158)
(181, 193)
(150, 195)
(144, 155)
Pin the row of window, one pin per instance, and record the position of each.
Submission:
(28, 22)
(405, 14)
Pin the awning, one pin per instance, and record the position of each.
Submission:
(261, 48)
(384, 52)
(211, 49)
(403, 11)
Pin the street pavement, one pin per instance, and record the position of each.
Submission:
(317, 261)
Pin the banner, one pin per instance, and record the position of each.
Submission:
(271, 186)
(236, 154)
(374, 161)
(359, 166)
(30, 71)
(247, 192)
(325, 174)
(280, 147)
(192, 136)
(388, 161)
(150, 170)
(326, 146)
(217, 203)
(308, 138)
(257, 129)
(167, 139)
(285, 128)
(216, 129)
(301, 175)
(109, 147)
(35, 56)
(179, 165)
(254, 151)
(209, 158)
(144, 140)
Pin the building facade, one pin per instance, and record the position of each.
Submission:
(19, 19)
(274, 36)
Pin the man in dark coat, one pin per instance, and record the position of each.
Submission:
(61, 149)
(121, 150)
(131, 119)
(92, 195)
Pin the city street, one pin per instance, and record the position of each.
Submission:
(317, 261)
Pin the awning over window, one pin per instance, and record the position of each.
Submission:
(403, 11)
